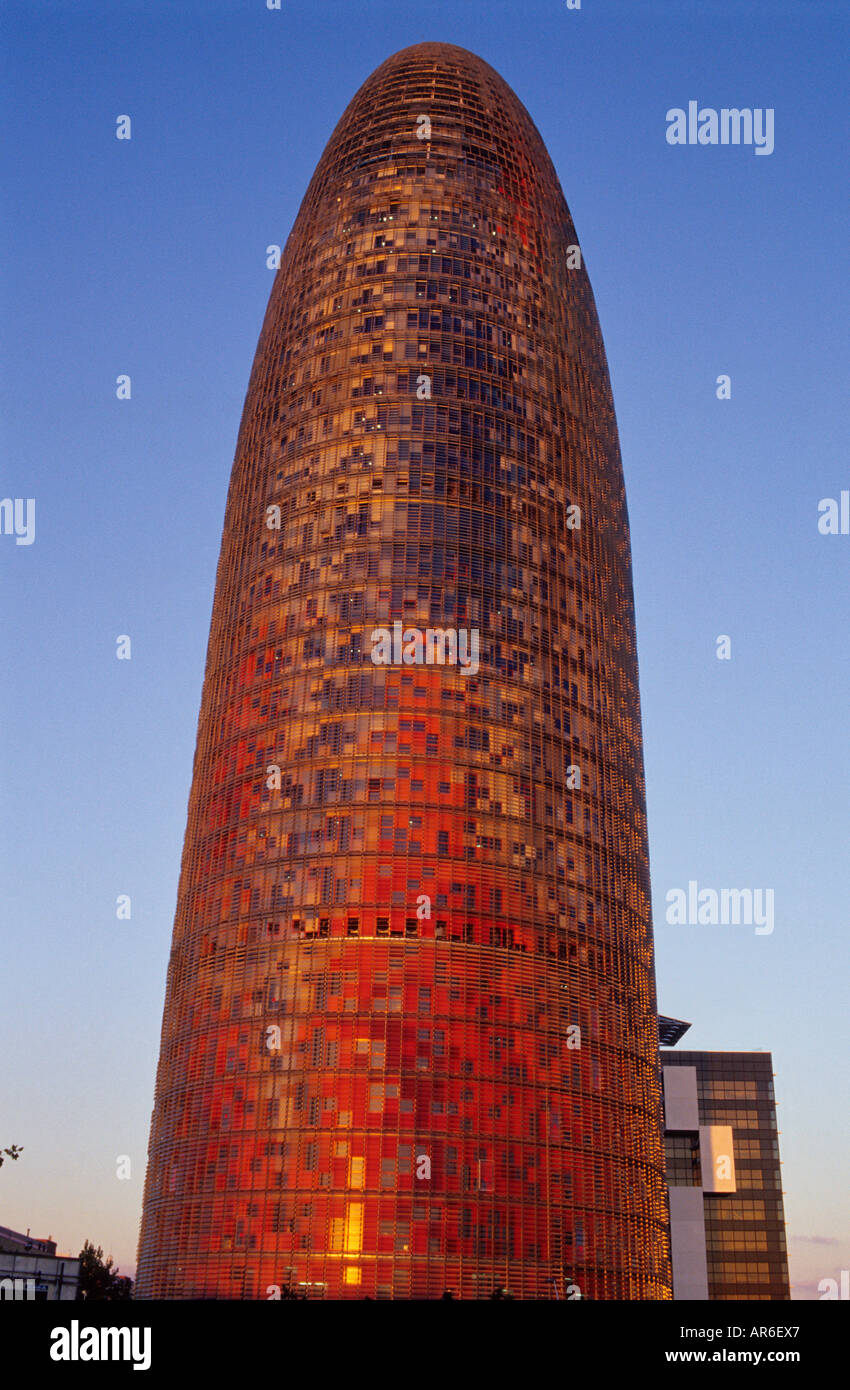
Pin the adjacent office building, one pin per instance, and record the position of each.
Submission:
(727, 1221)
(31, 1269)
(410, 1041)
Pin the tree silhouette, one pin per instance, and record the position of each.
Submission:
(98, 1279)
(14, 1151)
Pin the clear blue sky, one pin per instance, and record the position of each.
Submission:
(147, 257)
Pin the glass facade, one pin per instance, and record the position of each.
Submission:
(746, 1255)
(409, 1041)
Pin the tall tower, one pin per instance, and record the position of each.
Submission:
(409, 1039)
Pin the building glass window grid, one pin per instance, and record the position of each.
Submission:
(736, 1089)
(401, 1036)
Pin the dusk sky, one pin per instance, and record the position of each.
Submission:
(147, 257)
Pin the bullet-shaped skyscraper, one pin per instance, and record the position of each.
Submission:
(409, 1041)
